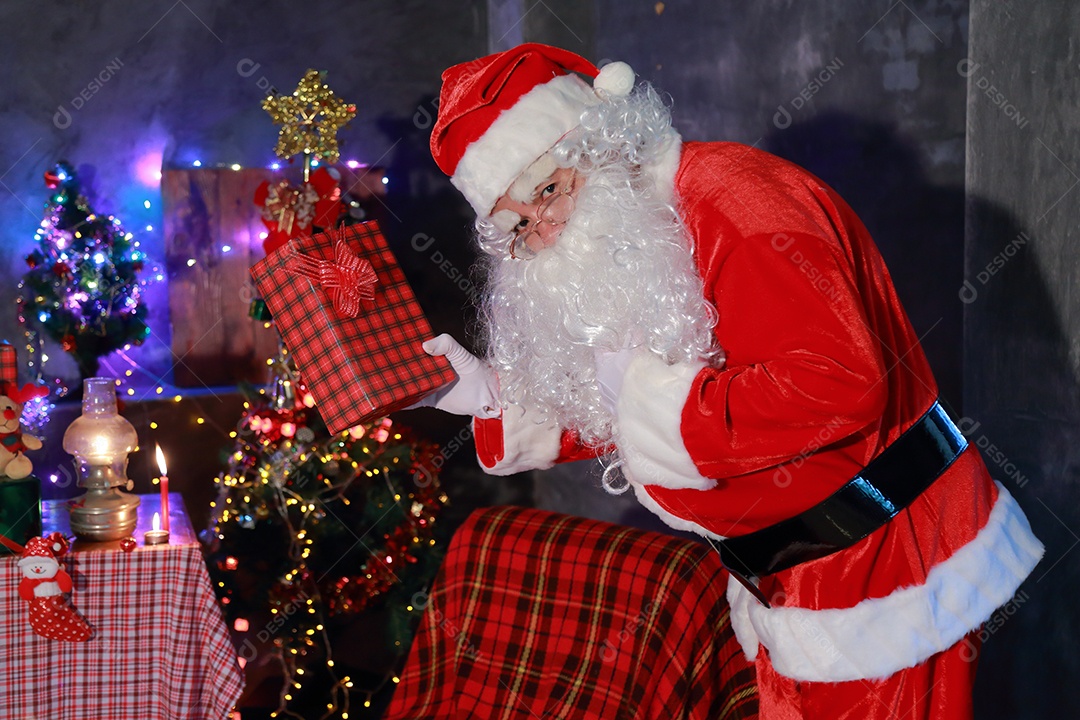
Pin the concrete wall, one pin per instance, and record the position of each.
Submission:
(1022, 331)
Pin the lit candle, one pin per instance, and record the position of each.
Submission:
(157, 536)
(164, 486)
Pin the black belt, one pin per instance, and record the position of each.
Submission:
(886, 486)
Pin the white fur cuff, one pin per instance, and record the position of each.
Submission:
(649, 412)
(527, 444)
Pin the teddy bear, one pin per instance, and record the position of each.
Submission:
(13, 443)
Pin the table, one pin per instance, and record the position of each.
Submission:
(161, 649)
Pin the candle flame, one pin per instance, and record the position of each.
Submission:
(157, 521)
(160, 459)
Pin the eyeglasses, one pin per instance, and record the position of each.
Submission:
(556, 209)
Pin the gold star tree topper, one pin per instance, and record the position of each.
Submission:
(310, 118)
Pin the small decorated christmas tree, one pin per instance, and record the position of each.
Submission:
(309, 531)
(82, 288)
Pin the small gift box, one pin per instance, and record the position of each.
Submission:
(352, 323)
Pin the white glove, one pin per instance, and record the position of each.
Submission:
(476, 390)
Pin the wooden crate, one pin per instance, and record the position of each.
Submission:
(212, 229)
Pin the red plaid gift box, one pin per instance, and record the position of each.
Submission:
(351, 320)
(8, 363)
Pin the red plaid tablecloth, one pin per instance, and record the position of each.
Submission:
(160, 651)
(538, 615)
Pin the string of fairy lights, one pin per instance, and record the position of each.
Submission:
(371, 489)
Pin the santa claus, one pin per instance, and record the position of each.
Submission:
(716, 325)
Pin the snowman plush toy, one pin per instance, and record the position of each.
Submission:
(45, 586)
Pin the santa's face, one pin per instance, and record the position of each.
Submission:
(39, 568)
(535, 210)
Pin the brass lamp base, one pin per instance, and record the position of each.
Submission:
(104, 514)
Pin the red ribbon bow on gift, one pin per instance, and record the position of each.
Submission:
(289, 211)
(348, 279)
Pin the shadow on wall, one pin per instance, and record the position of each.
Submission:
(429, 225)
(918, 227)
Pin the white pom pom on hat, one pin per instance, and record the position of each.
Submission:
(615, 80)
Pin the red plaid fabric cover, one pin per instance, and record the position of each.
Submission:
(9, 367)
(161, 649)
(357, 368)
(538, 615)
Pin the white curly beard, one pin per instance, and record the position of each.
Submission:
(621, 268)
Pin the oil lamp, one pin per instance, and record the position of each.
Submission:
(100, 440)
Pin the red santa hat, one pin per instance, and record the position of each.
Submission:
(38, 548)
(499, 113)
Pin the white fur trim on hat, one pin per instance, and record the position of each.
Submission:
(649, 412)
(616, 79)
(523, 189)
(527, 444)
(881, 636)
(37, 559)
(520, 135)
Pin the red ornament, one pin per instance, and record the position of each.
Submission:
(328, 209)
(59, 542)
(61, 269)
(68, 343)
(31, 261)
(127, 544)
(52, 180)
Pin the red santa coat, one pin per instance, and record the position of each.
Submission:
(823, 372)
